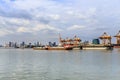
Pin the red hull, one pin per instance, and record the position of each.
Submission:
(116, 46)
(59, 48)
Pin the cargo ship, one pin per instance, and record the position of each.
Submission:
(105, 45)
(98, 47)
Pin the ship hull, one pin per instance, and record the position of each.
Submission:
(52, 48)
(40, 48)
(98, 47)
(116, 45)
(59, 48)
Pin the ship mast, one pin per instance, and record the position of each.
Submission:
(59, 38)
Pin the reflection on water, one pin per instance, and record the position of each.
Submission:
(28, 64)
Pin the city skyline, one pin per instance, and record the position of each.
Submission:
(43, 20)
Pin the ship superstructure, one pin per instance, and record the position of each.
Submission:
(74, 42)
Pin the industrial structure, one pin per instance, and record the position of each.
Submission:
(75, 41)
(117, 38)
(106, 39)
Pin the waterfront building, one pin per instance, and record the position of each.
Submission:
(95, 41)
(22, 45)
(54, 44)
(10, 44)
(37, 44)
(50, 44)
(16, 45)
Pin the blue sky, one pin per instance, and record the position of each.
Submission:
(43, 20)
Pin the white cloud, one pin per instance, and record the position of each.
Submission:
(55, 17)
(76, 27)
(43, 27)
(29, 4)
(37, 28)
(10, 22)
(26, 4)
(4, 32)
(77, 15)
(23, 29)
(18, 21)
(44, 16)
(91, 11)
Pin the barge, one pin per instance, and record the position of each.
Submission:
(39, 48)
(116, 45)
(98, 47)
(54, 48)
(59, 48)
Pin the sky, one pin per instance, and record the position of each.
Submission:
(43, 20)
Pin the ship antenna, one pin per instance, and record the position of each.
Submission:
(59, 38)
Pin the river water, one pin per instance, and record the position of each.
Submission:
(28, 64)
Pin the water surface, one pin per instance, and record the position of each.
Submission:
(28, 64)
